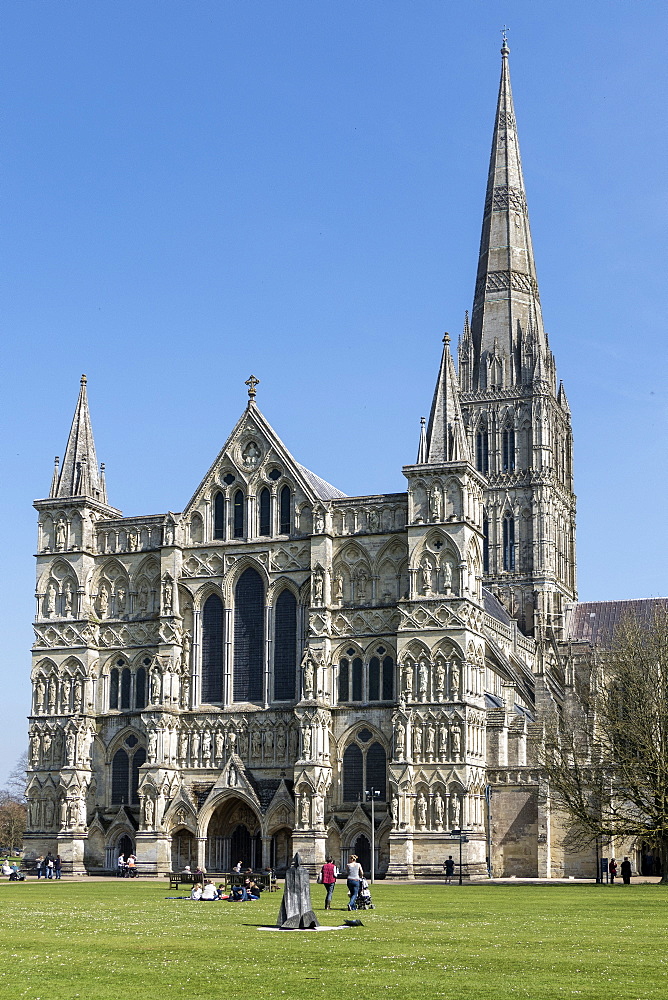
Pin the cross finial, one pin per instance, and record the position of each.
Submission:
(446, 339)
(251, 383)
(504, 35)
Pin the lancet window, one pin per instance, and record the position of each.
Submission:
(212, 649)
(362, 682)
(364, 767)
(285, 646)
(248, 637)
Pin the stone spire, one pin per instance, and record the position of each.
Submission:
(79, 475)
(506, 302)
(446, 437)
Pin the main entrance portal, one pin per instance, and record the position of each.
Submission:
(233, 835)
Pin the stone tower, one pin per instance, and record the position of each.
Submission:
(516, 414)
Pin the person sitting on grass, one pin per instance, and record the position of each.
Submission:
(209, 892)
(196, 893)
(221, 891)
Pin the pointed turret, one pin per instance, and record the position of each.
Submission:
(446, 437)
(79, 475)
(506, 301)
(422, 447)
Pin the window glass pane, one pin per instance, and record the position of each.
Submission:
(113, 688)
(388, 678)
(285, 646)
(219, 516)
(212, 649)
(239, 514)
(485, 546)
(248, 637)
(140, 688)
(376, 767)
(352, 774)
(265, 508)
(343, 680)
(357, 679)
(120, 773)
(125, 688)
(137, 761)
(374, 679)
(285, 511)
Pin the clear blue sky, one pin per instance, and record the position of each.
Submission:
(194, 191)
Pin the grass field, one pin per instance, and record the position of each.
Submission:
(117, 939)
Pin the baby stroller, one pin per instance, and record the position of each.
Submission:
(364, 900)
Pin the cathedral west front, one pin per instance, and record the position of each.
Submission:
(233, 682)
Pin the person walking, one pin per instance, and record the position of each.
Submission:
(40, 866)
(626, 871)
(354, 876)
(612, 870)
(57, 865)
(449, 866)
(328, 878)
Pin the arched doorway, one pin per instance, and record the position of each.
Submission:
(362, 848)
(184, 850)
(281, 849)
(233, 835)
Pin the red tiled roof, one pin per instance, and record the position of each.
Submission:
(595, 621)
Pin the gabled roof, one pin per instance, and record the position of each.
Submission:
(595, 621)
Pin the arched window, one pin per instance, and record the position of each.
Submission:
(113, 688)
(219, 516)
(239, 518)
(388, 679)
(508, 542)
(358, 671)
(364, 767)
(212, 649)
(344, 679)
(125, 688)
(353, 774)
(248, 637)
(285, 511)
(508, 450)
(120, 775)
(285, 646)
(265, 512)
(137, 761)
(140, 688)
(374, 679)
(482, 451)
(485, 545)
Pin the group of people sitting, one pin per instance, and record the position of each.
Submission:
(247, 891)
(12, 871)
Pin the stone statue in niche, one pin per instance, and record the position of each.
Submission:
(431, 738)
(34, 749)
(68, 598)
(232, 777)
(423, 680)
(426, 576)
(308, 668)
(185, 691)
(133, 540)
(51, 593)
(438, 810)
(256, 745)
(251, 455)
(48, 814)
(319, 811)
(65, 689)
(61, 535)
(400, 742)
(142, 599)
(152, 747)
(232, 741)
(280, 745)
(39, 696)
(408, 680)
(306, 743)
(304, 810)
(194, 748)
(82, 812)
(149, 812)
(362, 584)
(338, 587)
(120, 600)
(103, 601)
(443, 741)
(455, 811)
(70, 748)
(319, 521)
(52, 696)
(186, 643)
(169, 533)
(167, 595)
(155, 687)
(87, 740)
(456, 740)
(269, 744)
(372, 520)
(435, 505)
(454, 680)
(421, 811)
(206, 747)
(440, 678)
(78, 694)
(417, 741)
(183, 747)
(318, 584)
(46, 748)
(219, 745)
(394, 809)
(447, 576)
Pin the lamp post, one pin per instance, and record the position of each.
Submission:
(371, 795)
(463, 839)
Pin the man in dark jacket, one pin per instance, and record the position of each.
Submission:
(626, 871)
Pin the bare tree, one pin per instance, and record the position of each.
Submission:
(16, 780)
(608, 765)
(12, 822)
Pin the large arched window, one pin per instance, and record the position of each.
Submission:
(113, 688)
(285, 646)
(482, 451)
(285, 511)
(140, 688)
(364, 767)
(212, 649)
(219, 516)
(125, 688)
(378, 685)
(381, 678)
(508, 450)
(265, 512)
(248, 637)
(120, 778)
(239, 519)
(508, 542)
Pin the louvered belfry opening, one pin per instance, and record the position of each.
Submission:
(248, 636)
(212, 649)
(285, 646)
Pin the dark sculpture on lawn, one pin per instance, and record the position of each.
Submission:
(296, 912)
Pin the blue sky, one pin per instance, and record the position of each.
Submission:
(197, 191)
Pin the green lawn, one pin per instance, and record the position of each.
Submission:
(103, 941)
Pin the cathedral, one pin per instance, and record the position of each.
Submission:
(280, 665)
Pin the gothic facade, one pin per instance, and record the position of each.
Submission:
(234, 681)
